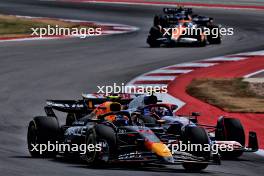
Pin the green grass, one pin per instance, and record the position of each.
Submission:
(15, 26)
(231, 95)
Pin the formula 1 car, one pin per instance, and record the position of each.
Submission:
(182, 32)
(159, 116)
(119, 140)
(179, 26)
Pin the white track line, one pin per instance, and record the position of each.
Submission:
(260, 152)
(155, 78)
(149, 85)
(255, 73)
(169, 71)
(260, 53)
(32, 39)
(193, 64)
(226, 59)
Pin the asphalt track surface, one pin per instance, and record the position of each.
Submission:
(33, 71)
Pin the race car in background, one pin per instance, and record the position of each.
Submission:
(120, 138)
(169, 29)
(160, 118)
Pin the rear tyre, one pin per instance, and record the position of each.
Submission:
(230, 129)
(196, 135)
(214, 38)
(42, 130)
(156, 20)
(154, 34)
(202, 42)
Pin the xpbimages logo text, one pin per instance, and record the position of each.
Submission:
(123, 88)
(193, 31)
(190, 147)
(81, 32)
(61, 147)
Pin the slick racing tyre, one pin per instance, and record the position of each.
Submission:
(154, 34)
(215, 36)
(42, 130)
(106, 138)
(230, 129)
(196, 135)
(201, 41)
(156, 20)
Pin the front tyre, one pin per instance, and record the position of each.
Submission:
(153, 43)
(104, 136)
(230, 129)
(196, 135)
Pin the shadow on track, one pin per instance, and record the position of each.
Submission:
(146, 167)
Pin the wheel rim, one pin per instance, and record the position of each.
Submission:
(90, 155)
(104, 153)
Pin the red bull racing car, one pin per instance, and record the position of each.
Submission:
(117, 137)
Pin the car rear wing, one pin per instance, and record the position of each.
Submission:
(98, 98)
(177, 10)
(88, 103)
(66, 105)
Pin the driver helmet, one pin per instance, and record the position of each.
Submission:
(113, 98)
